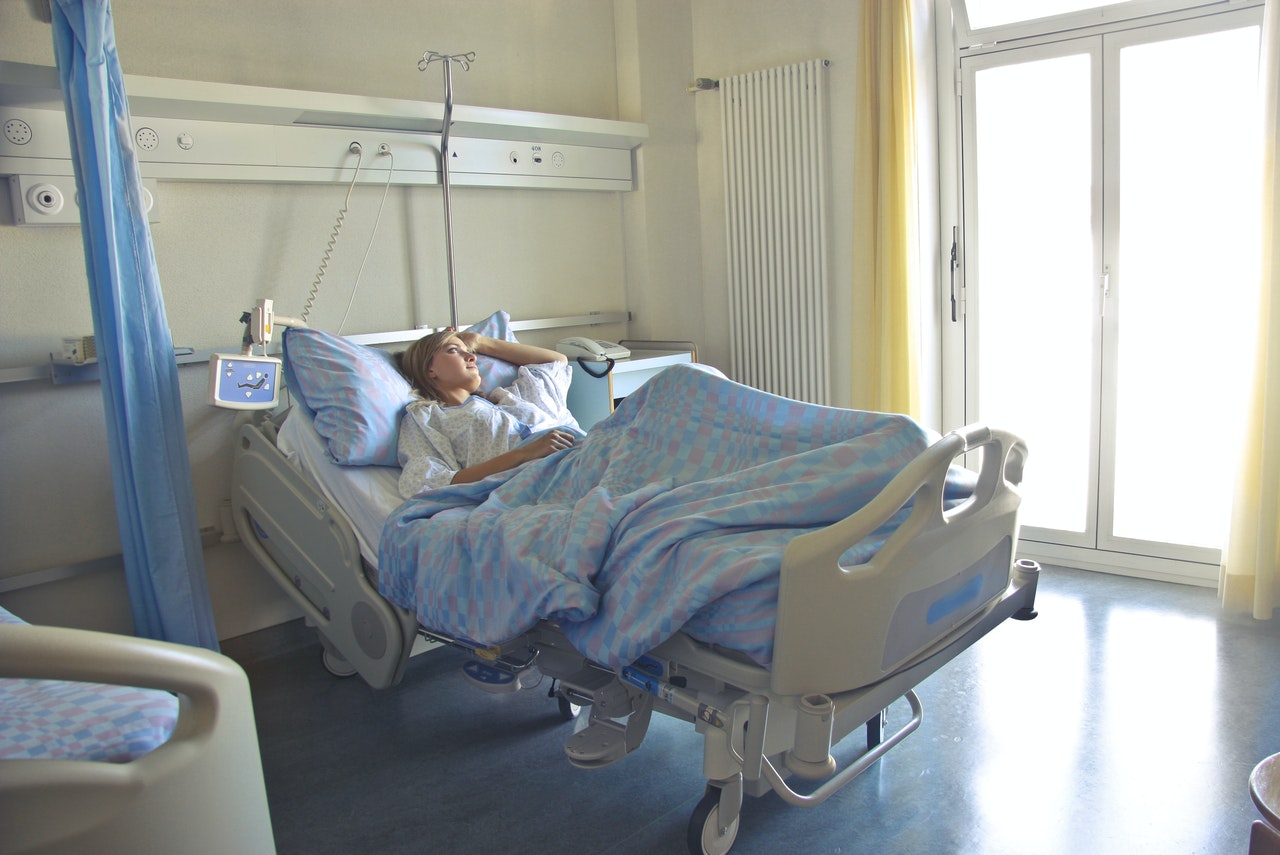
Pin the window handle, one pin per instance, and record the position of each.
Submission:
(954, 264)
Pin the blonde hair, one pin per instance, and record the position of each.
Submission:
(415, 363)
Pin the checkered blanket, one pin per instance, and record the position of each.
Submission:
(59, 720)
(672, 514)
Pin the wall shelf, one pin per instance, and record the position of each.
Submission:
(62, 373)
(198, 131)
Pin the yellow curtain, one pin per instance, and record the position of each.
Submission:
(886, 322)
(1249, 579)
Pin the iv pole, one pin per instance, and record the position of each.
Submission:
(464, 60)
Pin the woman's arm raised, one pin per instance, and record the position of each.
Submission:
(510, 351)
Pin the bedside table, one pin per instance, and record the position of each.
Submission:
(593, 398)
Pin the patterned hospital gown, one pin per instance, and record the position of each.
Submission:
(436, 441)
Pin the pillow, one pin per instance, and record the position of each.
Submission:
(494, 372)
(356, 395)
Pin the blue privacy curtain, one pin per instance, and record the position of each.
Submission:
(151, 471)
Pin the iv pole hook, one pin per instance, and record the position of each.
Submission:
(464, 60)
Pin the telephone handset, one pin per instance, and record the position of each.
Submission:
(588, 350)
(591, 350)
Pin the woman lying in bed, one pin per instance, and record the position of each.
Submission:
(451, 435)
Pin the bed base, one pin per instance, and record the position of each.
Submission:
(755, 741)
(841, 657)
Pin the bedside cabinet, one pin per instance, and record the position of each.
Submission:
(593, 398)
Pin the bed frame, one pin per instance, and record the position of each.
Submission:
(849, 641)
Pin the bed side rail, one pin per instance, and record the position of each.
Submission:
(840, 628)
(309, 547)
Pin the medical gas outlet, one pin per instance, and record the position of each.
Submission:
(50, 200)
(537, 157)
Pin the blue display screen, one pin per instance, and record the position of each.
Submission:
(246, 382)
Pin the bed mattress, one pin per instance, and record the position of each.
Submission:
(366, 494)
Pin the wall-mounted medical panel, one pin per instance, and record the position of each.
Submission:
(193, 131)
(52, 200)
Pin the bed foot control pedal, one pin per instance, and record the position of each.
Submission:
(597, 745)
(605, 740)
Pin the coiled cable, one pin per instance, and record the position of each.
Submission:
(358, 150)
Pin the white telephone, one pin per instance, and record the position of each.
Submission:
(591, 350)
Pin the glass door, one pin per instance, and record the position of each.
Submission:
(1181, 252)
(1109, 231)
(1031, 256)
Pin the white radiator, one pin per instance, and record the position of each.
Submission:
(775, 162)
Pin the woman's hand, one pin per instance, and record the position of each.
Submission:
(474, 341)
(549, 443)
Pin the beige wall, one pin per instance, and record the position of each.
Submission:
(739, 36)
(534, 253)
(663, 240)
(658, 251)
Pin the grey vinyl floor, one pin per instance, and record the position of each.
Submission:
(1125, 719)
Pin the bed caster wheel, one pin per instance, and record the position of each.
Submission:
(706, 836)
(568, 709)
(336, 665)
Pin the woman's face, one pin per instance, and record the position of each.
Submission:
(454, 367)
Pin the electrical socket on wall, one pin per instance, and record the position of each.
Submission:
(50, 200)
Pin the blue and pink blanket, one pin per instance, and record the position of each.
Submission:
(672, 514)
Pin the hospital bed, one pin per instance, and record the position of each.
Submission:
(110, 743)
(857, 627)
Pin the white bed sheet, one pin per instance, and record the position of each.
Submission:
(367, 494)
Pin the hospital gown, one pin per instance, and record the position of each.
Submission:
(436, 441)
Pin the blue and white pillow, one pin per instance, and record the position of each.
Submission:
(494, 373)
(356, 395)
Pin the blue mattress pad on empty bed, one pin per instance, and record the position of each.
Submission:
(62, 720)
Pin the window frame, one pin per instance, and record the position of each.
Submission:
(1108, 16)
(951, 48)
